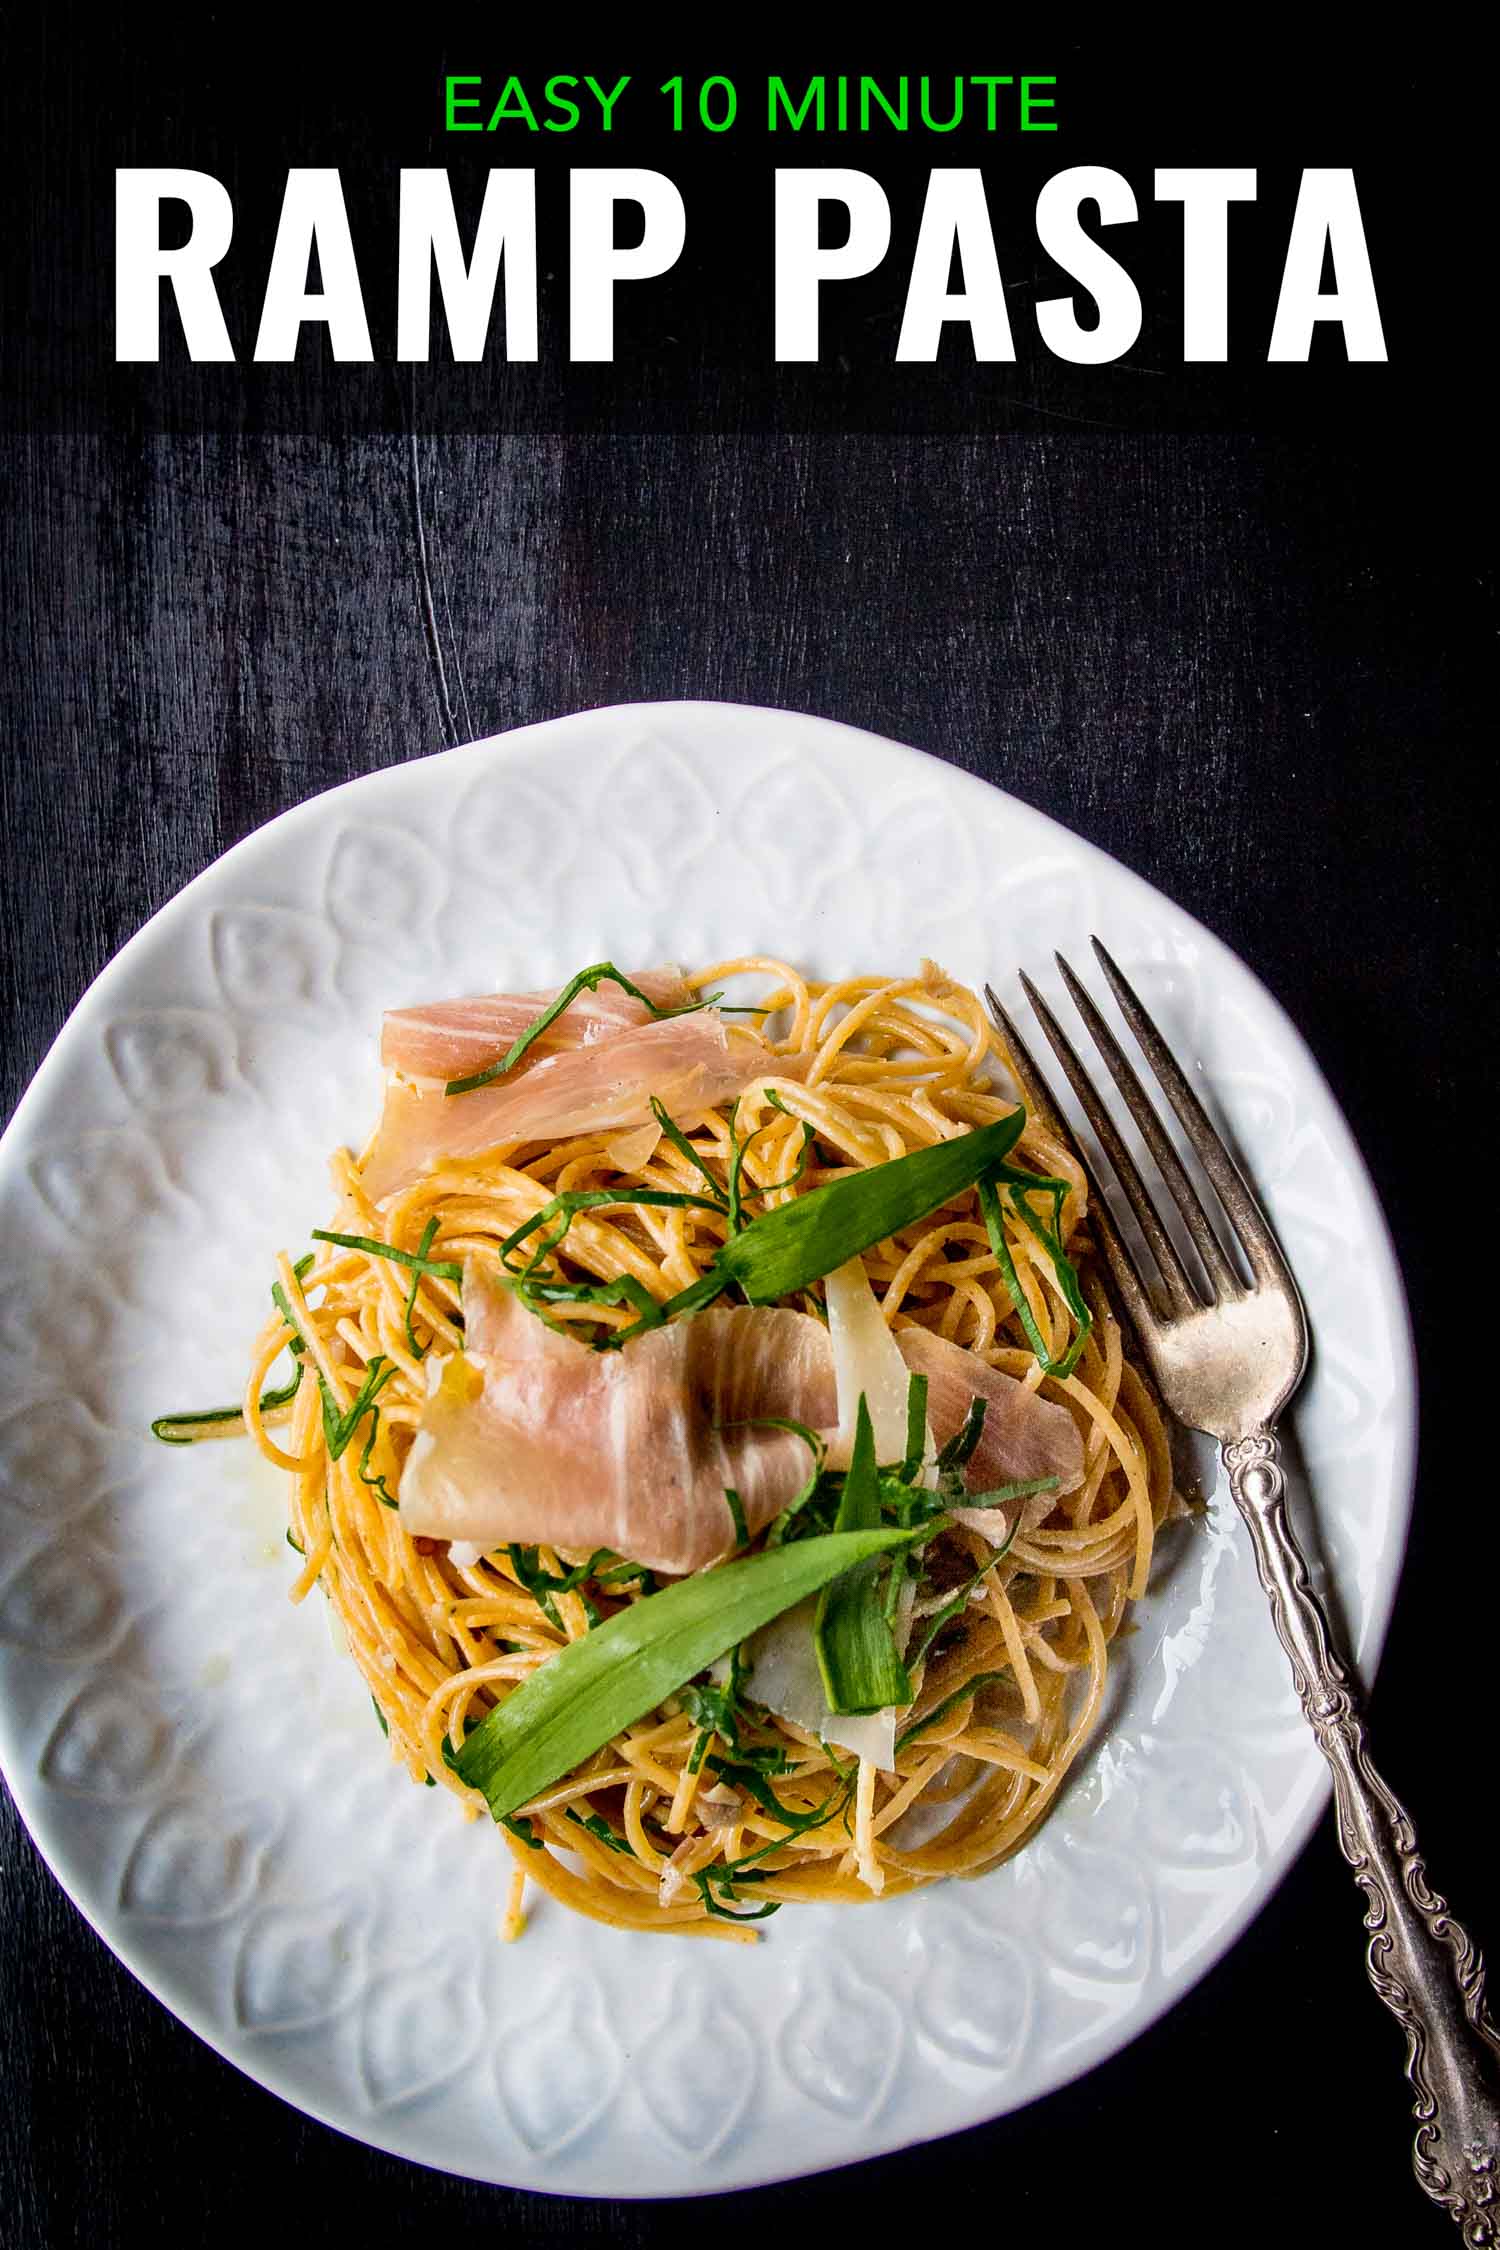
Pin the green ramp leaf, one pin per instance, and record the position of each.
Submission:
(584, 1696)
(800, 1242)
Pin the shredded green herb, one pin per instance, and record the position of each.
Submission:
(419, 1351)
(896, 1578)
(720, 1882)
(567, 1207)
(587, 980)
(603, 1565)
(624, 1291)
(818, 1450)
(743, 1774)
(1000, 1495)
(911, 1504)
(685, 1148)
(740, 1149)
(700, 1749)
(718, 1709)
(737, 1517)
(417, 1261)
(166, 1426)
(941, 1710)
(916, 1428)
(598, 1826)
(339, 1429)
(536, 1288)
(715, 1884)
(1018, 1186)
(960, 1446)
(377, 1484)
(696, 1295)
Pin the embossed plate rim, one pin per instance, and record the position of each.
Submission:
(832, 2142)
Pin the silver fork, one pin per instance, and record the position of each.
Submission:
(1228, 1366)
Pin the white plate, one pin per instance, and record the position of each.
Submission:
(201, 1768)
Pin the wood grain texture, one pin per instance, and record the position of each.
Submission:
(1249, 669)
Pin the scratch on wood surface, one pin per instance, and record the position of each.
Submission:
(451, 730)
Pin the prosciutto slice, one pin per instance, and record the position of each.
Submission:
(1024, 1435)
(454, 1038)
(689, 1063)
(528, 1435)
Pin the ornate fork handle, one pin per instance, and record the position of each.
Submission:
(1422, 1962)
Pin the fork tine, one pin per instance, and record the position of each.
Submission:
(1034, 1088)
(1134, 1293)
(1223, 1280)
(1179, 1291)
(1245, 1214)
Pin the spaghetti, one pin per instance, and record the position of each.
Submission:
(709, 1813)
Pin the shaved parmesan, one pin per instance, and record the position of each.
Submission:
(866, 1360)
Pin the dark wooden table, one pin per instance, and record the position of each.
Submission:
(1248, 668)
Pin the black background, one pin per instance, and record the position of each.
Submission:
(1249, 665)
